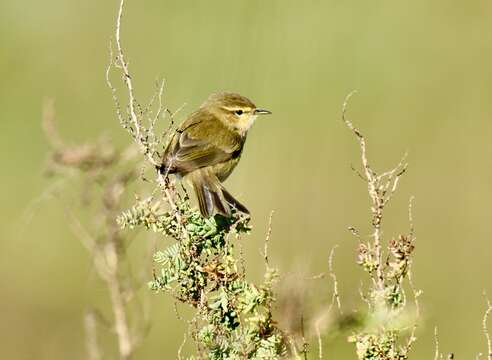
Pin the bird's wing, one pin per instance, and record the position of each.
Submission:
(204, 143)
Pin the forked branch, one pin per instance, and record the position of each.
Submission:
(381, 188)
(143, 136)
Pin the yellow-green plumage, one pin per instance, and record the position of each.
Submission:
(207, 147)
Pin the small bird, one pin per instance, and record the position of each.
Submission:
(207, 147)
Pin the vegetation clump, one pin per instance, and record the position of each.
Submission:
(234, 317)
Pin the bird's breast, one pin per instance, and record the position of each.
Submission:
(223, 170)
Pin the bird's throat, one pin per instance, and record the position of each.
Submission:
(243, 125)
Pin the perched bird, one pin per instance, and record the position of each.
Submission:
(207, 147)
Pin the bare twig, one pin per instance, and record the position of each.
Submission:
(381, 188)
(363, 296)
(293, 347)
(320, 341)
(416, 293)
(484, 326)
(90, 322)
(410, 217)
(159, 108)
(387, 267)
(436, 344)
(180, 350)
(267, 239)
(354, 232)
(136, 129)
(126, 73)
(172, 115)
(336, 295)
(335, 299)
(125, 343)
(185, 336)
(85, 238)
(372, 184)
(357, 172)
(305, 344)
(104, 247)
(48, 123)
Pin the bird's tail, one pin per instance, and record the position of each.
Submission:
(213, 198)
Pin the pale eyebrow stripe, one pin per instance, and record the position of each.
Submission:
(247, 109)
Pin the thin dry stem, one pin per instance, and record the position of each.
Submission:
(364, 297)
(436, 344)
(138, 132)
(125, 343)
(336, 295)
(267, 240)
(416, 293)
(159, 108)
(103, 249)
(305, 344)
(90, 324)
(126, 73)
(410, 216)
(180, 350)
(335, 299)
(320, 342)
(48, 123)
(372, 184)
(484, 327)
(293, 347)
(107, 260)
(85, 238)
(381, 188)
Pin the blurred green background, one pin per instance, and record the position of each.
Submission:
(423, 71)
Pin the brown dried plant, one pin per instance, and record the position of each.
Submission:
(387, 333)
(105, 173)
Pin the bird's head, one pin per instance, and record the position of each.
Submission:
(236, 111)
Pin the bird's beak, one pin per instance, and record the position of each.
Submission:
(262, 112)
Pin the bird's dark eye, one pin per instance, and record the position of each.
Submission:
(239, 112)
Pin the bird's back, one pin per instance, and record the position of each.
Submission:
(201, 140)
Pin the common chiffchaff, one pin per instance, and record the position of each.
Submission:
(207, 146)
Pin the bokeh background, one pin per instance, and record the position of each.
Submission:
(423, 71)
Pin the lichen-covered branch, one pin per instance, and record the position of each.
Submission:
(233, 318)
